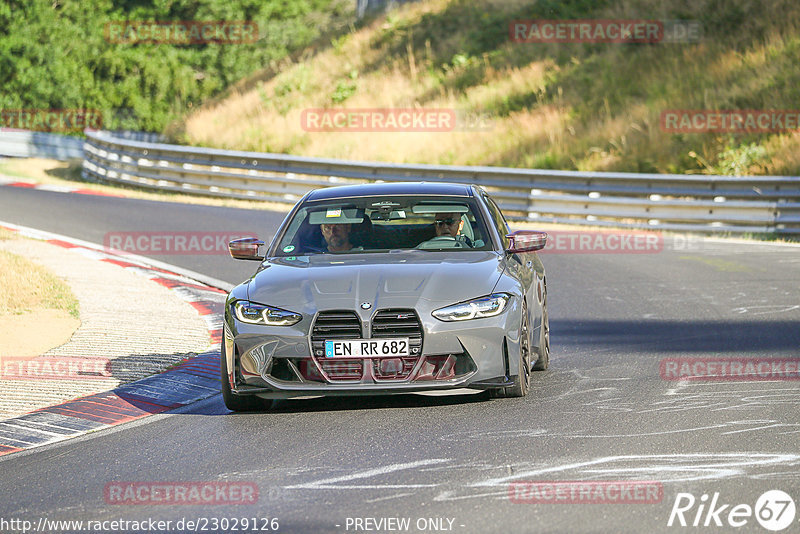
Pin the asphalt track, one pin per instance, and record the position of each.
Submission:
(602, 411)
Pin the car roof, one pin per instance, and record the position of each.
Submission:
(392, 188)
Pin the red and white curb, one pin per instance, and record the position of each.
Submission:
(15, 182)
(191, 381)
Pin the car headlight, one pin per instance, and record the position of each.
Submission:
(488, 306)
(251, 313)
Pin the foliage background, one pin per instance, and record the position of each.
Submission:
(54, 54)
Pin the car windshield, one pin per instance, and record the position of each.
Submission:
(377, 223)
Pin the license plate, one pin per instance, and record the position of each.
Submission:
(367, 348)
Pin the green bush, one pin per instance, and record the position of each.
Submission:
(737, 161)
(54, 54)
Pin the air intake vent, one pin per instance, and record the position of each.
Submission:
(343, 369)
(336, 325)
(398, 323)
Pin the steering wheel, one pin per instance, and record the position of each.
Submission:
(441, 241)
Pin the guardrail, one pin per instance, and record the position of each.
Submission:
(655, 201)
(28, 144)
(25, 144)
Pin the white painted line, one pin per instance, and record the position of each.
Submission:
(56, 188)
(30, 430)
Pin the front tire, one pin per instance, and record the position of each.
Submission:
(234, 402)
(544, 340)
(523, 381)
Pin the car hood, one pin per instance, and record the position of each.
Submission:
(408, 279)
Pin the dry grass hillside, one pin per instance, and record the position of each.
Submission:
(566, 106)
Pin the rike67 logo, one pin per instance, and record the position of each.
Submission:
(774, 510)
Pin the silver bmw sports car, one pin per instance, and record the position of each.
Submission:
(387, 288)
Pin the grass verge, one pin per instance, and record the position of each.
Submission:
(26, 287)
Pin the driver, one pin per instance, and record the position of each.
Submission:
(447, 227)
(448, 224)
(337, 237)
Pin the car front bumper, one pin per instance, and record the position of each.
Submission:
(281, 362)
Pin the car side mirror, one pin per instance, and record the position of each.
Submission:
(246, 248)
(526, 241)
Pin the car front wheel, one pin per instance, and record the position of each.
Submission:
(544, 340)
(523, 380)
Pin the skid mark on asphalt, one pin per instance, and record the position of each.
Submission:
(762, 425)
(466, 482)
(752, 425)
(715, 397)
(335, 482)
(711, 398)
(767, 309)
(611, 394)
(539, 432)
(662, 467)
(496, 434)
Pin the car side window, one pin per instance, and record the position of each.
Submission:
(498, 219)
